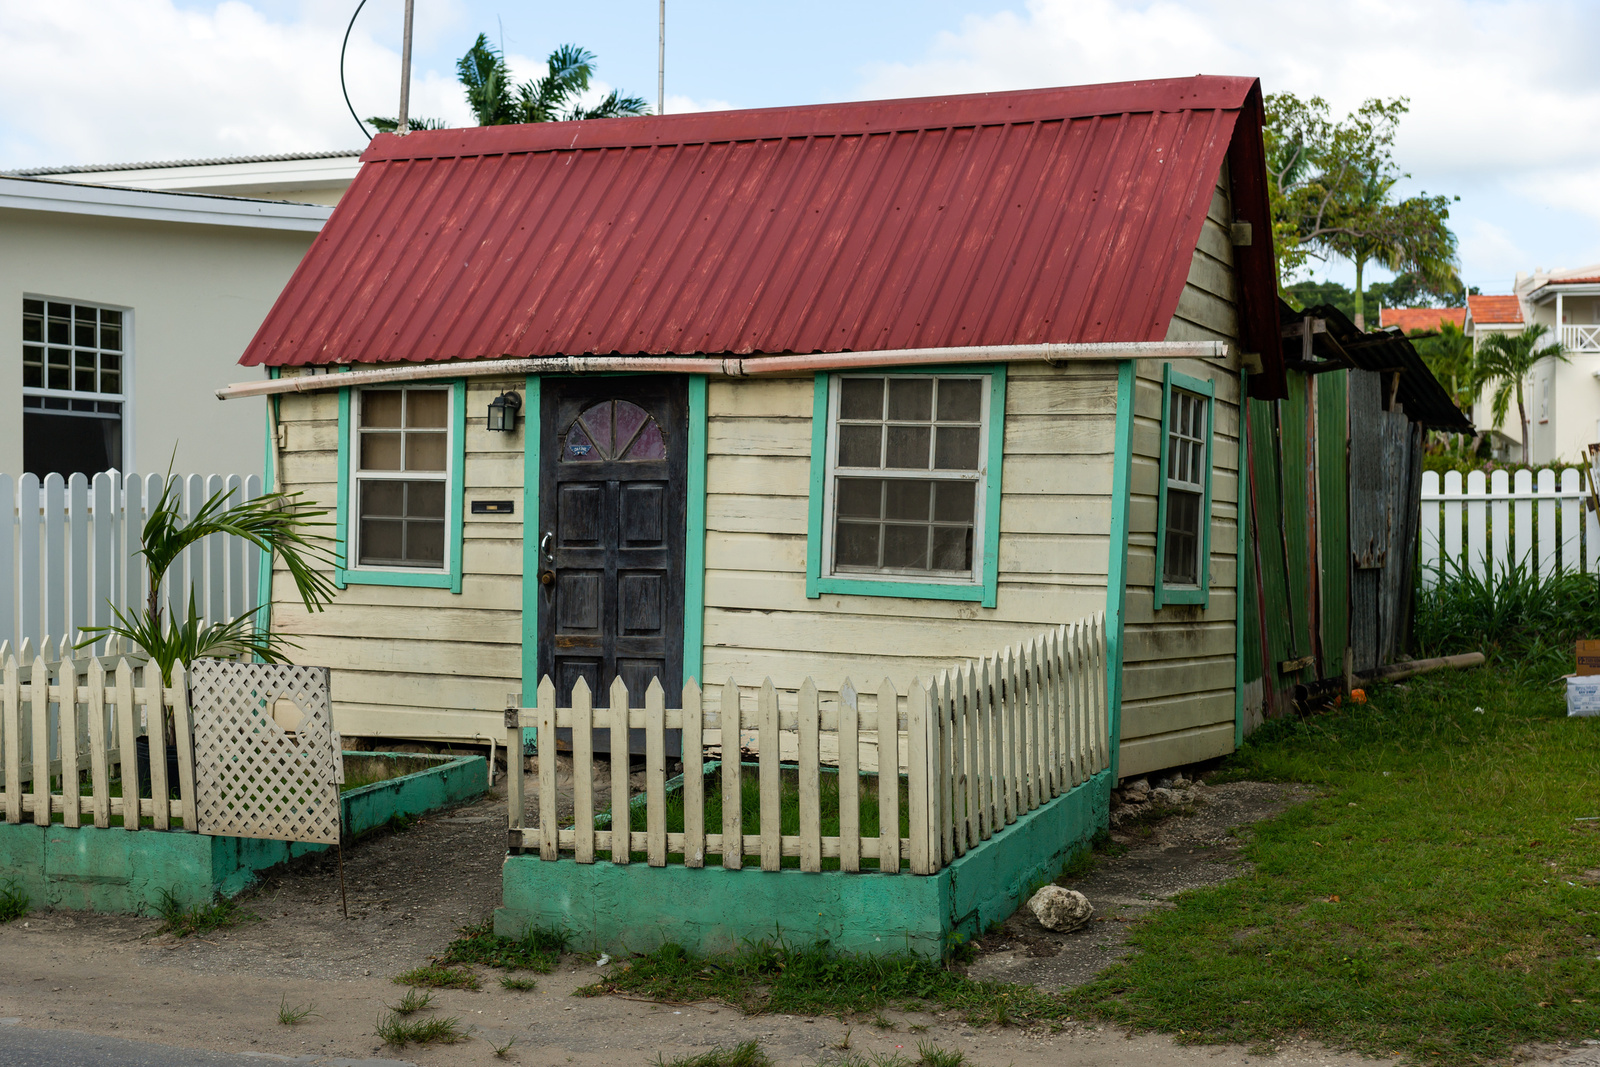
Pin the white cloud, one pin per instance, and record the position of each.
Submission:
(155, 81)
(682, 105)
(1504, 94)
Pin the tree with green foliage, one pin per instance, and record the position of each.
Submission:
(1447, 353)
(495, 101)
(1505, 360)
(1331, 184)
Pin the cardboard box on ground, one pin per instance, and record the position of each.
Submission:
(1583, 688)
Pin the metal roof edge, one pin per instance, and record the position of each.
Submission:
(1201, 92)
(173, 164)
(111, 201)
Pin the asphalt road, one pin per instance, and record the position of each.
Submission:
(22, 1047)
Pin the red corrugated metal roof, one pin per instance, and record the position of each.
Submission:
(1495, 309)
(1409, 319)
(1002, 218)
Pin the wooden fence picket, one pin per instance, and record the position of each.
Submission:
(770, 747)
(11, 738)
(621, 788)
(655, 773)
(99, 765)
(694, 779)
(809, 770)
(888, 778)
(67, 725)
(583, 784)
(548, 820)
(39, 690)
(732, 779)
(849, 778)
(919, 856)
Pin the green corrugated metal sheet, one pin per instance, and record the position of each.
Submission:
(1333, 509)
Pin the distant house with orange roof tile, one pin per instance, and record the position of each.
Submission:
(1409, 319)
(1563, 398)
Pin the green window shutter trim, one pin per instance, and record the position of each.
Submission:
(1163, 594)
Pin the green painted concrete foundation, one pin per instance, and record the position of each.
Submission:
(87, 868)
(636, 908)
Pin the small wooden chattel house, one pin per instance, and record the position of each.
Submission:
(855, 390)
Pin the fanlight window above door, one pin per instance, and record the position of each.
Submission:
(613, 430)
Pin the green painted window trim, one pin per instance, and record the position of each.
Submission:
(1117, 565)
(985, 590)
(446, 579)
(694, 545)
(1184, 594)
(271, 414)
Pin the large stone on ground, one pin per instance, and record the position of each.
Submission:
(1060, 909)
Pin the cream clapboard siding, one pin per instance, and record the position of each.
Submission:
(422, 663)
(1178, 663)
(1055, 519)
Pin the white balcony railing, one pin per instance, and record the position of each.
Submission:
(1581, 338)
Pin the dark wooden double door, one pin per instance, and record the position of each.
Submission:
(613, 461)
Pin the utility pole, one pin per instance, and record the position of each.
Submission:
(661, 63)
(404, 124)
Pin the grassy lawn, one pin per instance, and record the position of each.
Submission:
(1437, 899)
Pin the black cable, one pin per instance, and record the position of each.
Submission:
(342, 88)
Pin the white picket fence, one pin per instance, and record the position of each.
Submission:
(64, 721)
(981, 745)
(68, 550)
(1488, 524)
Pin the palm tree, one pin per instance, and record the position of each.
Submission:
(552, 98)
(1406, 236)
(278, 523)
(1448, 354)
(1505, 360)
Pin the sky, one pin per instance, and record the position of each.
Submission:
(1504, 94)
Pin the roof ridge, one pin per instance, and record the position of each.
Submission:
(92, 168)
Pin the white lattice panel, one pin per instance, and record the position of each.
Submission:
(267, 758)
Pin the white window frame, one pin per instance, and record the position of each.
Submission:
(449, 477)
(125, 398)
(978, 478)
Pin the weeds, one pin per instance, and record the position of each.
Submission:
(538, 949)
(927, 1056)
(400, 1032)
(413, 1002)
(1524, 622)
(288, 1016)
(518, 985)
(13, 902)
(771, 976)
(435, 976)
(181, 921)
(746, 1054)
(500, 1051)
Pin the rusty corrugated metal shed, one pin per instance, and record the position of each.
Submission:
(1065, 215)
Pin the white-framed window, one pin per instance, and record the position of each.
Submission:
(74, 386)
(1186, 487)
(401, 477)
(905, 482)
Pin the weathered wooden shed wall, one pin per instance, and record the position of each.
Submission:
(1055, 519)
(410, 662)
(1179, 662)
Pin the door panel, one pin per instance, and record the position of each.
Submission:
(613, 463)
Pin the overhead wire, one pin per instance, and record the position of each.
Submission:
(342, 87)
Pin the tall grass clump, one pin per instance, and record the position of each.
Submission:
(1524, 621)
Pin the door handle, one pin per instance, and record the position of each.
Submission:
(544, 545)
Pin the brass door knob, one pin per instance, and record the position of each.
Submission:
(547, 577)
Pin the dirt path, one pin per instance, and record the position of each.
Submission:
(410, 891)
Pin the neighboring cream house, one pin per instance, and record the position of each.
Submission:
(1563, 399)
(126, 293)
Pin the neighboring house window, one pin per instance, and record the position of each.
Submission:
(401, 485)
(1183, 522)
(73, 383)
(906, 484)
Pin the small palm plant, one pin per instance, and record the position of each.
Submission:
(278, 523)
(1505, 360)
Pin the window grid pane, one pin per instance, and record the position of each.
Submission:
(1185, 492)
(402, 477)
(84, 353)
(930, 428)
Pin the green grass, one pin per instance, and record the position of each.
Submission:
(182, 921)
(789, 808)
(816, 980)
(1431, 901)
(435, 976)
(745, 1054)
(289, 1016)
(13, 902)
(536, 950)
(412, 1002)
(400, 1032)
(1524, 624)
(518, 985)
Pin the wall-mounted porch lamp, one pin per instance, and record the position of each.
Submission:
(503, 412)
